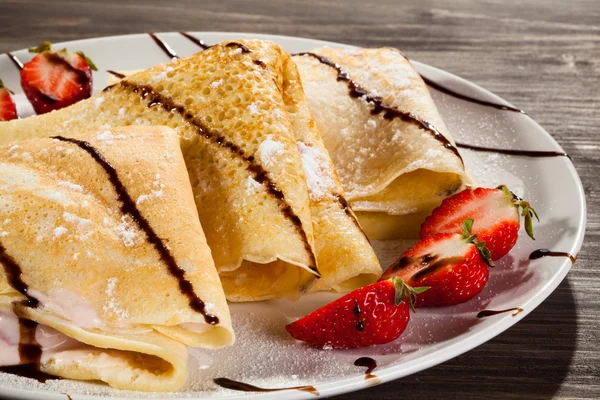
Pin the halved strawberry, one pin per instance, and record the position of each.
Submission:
(374, 314)
(8, 109)
(53, 80)
(455, 267)
(495, 212)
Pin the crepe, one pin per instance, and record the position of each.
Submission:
(101, 247)
(394, 155)
(241, 115)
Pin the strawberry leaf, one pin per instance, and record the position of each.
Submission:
(485, 253)
(46, 46)
(467, 227)
(527, 212)
(406, 293)
(4, 87)
(87, 60)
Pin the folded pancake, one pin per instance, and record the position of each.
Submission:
(240, 112)
(392, 151)
(106, 273)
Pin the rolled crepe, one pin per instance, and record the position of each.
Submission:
(105, 267)
(394, 155)
(245, 125)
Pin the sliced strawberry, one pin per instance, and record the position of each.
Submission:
(53, 80)
(374, 314)
(495, 212)
(455, 267)
(8, 109)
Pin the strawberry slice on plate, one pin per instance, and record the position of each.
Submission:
(374, 314)
(455, 267)
(8, 109)
(495, 212)
(56, 79)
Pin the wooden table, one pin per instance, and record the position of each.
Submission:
(542, 56)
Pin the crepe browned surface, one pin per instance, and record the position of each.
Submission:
(240, 113)
(393, 169)
(90, 263)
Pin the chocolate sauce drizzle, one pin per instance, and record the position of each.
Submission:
(194, 40)
(14, 276)
(258, 172)
(82, 77)
(30, 351)
(348, 210)
(129, 207)
(246, 387)
(428, 265)
(489, 313)
(164, 46)
(369, 363)
(389, 112)
(548, 253)
(525, 153)
(465, 97)
(30, 354)
(360, 326)
(116, 74)
(15, 60)
(238, 46)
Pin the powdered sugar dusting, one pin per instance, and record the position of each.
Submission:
(317, 170)
(252, 185)
(69, 185)
(126, 231)
(108, 137)
(111, 303)
(269, 150)
(157, 191)
(59, 231)
(216, 83)
(253, 108)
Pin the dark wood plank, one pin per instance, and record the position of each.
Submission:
(542, 55)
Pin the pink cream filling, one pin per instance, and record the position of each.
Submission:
(50, 340)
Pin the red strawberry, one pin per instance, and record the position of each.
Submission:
(495, 212)
(455, 267)
(8, 110)
(374, 314)
(53, 80)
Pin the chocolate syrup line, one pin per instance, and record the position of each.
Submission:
(30, 354)
(30, 351)
(258, 172)
(82, 76)
(15, 60)
(239, 46)
(389, 112)
(164, 46)
(29, 371)
(548, 253)
(116, 74)
(194, 40)
(129, 207)
(348, 210)
(369, 363)
(246, 387)
(14, 277)
(489, 313)
(450, 92)
(525, 153)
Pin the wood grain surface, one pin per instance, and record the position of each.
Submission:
(541, 55)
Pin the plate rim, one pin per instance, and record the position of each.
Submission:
(385, 374)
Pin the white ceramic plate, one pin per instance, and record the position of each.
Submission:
(264, 355)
